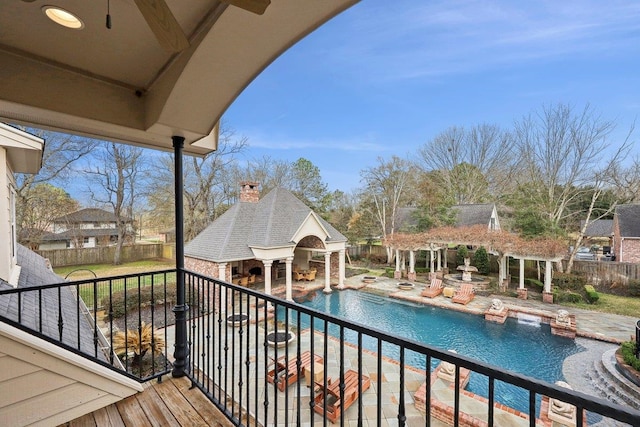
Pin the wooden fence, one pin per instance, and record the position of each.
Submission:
(102, 255)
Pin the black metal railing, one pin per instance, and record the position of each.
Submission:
(119, 322)
(235, 365)
(266, 361)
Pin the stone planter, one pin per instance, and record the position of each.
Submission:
(279, 338)
(239, 319)
(406, 286)
(369, 279)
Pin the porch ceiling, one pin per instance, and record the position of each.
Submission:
(119, 84)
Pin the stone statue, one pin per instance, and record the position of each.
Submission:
(496, 304)
(447, 370)
(560, 407)
(562, 318)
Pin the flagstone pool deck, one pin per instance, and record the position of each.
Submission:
(605, 328)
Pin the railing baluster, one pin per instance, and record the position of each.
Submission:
(532, 408)
(456, 397)
(360, 411)
(248, 358)
(491, 401)
(402, 418)
(266, 363)
(427, 399)
(60, 320)
(379, 396)
(78, 316)
(95, 318)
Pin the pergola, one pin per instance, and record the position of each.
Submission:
(501, 243)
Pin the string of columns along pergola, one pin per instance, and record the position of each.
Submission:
(500, 243)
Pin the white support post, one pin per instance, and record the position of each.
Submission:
(267, 279)
(547, 276)
(341, 268)
(412, 261)
(521, 283)
(288, 271)
(439, 253)
(327, 272)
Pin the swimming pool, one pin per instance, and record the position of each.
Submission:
(524, 348)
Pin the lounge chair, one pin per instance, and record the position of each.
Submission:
(284, 374)
(434, 289)
(331, 395)
(464, 295)
(311, 275)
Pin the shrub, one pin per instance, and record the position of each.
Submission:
(570, 281)
(120, 307)
(560, 296)
(592, 295)
(461, 254)
(535, 283)
(481, 260)
(388, 271)
(422, 270)
(628, 350)
(634, 288)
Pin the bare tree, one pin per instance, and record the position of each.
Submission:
(470, 166)
(561, 151)
(208, 190)
(385, 188)
(60, 153)
(116, 178)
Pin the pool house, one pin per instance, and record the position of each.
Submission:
(176, 347)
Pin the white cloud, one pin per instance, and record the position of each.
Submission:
(408, 39)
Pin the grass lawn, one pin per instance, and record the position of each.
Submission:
(109, 270)
(626, 306)
(106, 270)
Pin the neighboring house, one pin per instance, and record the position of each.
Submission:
(598, 231)
(626, 233)
(268, 238)
(33, 371)
(477, 214)
(86, 228)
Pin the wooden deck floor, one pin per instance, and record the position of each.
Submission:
(169, 403)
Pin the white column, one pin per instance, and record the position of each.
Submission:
(222, 271)
(521, 283)
(547, 276)
(431, 259)
(342, 268)
(267, 276)
(397, 259)
(412, 261)
(327, 272)
(288, 262)
(439, 260)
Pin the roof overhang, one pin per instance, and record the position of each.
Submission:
(24, 151)
(118, 84)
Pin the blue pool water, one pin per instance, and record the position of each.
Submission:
(523, 348)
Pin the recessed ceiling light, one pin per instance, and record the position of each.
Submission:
(63, 17)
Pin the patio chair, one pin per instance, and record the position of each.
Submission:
(330, 396)
(434, 289)
(284, 374)
(464, 295)
(252, 279)
(298, 276)
(244, 280)
(311, 275)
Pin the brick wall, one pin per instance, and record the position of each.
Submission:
(630, 251)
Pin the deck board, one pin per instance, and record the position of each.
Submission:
(169, 403)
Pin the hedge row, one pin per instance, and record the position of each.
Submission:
(628, 350)
(592, 295)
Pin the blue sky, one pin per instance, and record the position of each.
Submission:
(386, 76)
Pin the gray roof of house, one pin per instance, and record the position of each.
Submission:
(89, 215)
(35, 272)
(473, 214)
(628, 220)
(79, 232)
(598, 228)
(271, 222)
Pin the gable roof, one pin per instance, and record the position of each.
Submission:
(473, 214)
(35, 272)
(89, 215)
(598, 228)
(628, 217)
(270, 223)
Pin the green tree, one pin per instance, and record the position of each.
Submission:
(461, 254)
(481, 260)
(307, 185)
(40, 205)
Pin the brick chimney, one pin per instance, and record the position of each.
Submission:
(249, 192)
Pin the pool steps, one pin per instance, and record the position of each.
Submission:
(611, 384)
